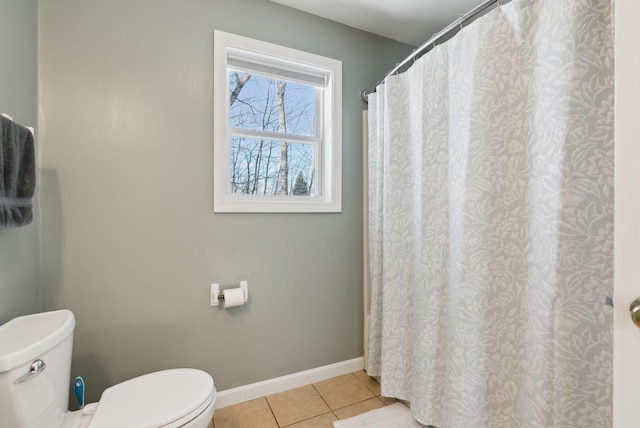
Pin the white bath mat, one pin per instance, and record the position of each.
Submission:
(396, 415)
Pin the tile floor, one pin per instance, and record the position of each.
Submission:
(312, 406)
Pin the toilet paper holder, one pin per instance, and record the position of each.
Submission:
(216, 296)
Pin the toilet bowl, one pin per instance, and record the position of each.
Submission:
(35, 365)
(168, 399)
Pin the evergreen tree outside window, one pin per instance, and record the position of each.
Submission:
(301, 187)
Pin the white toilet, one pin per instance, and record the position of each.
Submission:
(35, 366)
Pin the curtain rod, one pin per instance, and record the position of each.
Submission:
(425, 47)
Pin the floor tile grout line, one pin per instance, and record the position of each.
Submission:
(320, 395)
(325, 401)
(272, 412)
(307, 419)
(358, 402)
(331, 410)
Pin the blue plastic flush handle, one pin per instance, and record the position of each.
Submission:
(78, 386)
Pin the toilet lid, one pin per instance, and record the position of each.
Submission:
(154, 400)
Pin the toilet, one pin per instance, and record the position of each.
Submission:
(35, 367)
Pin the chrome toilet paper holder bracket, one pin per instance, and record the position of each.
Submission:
(216, 296)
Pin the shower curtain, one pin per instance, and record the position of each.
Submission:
(491, 222)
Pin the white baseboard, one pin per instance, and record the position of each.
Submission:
(252, 391)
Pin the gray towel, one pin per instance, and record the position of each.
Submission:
(17, 174)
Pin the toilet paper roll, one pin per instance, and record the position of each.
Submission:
(233, 297)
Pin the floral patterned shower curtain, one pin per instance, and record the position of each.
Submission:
(491, 222)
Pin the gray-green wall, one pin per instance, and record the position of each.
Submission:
(129, 241)
(19, 292)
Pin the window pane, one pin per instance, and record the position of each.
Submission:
(256, 168)
(265, 104)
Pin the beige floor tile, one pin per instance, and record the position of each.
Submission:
(358, 408)
(343, 391)
(251, 414)
(388, 400)
(297, 405)
(368, 381)
(322, 421)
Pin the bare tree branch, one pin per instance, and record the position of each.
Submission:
(240, 82)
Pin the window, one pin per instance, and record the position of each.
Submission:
(277, 128)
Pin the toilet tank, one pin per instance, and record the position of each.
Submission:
(32, 396)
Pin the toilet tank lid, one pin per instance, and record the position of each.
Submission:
(28, 337)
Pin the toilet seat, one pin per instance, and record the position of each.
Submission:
(167, 399)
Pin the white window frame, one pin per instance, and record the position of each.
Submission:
(329, 173)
